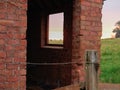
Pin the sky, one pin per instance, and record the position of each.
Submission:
(55, 28)
(110, 15)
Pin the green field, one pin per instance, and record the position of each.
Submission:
(110, 61)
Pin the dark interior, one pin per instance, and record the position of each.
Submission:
(48, 76)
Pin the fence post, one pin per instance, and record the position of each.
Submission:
(91, 70)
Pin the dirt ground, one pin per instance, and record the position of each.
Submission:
(106, 86)
(102, 86)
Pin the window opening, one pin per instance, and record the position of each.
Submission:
(56, 29)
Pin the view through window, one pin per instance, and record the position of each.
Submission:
(56, 28)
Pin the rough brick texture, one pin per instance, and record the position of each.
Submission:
(83, 32)
(12, 49)
(87, 29)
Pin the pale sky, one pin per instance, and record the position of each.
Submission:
(55, 28)
(110, 15)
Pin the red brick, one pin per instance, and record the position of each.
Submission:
(85, 3)
(23, 1)
(23, 42)
(2, 66)
(2, 78)
(16, 73)
(9, 86)
(10, 54)
(2, 86)
(22, 78)
(13, 16)
(12, 66)
(99, 1)
(9, 58)
(16, 85)
(12, 79)
(6, 22)
(20, 54)
(2, 54)
(3, 11)
(9, 47)
(20, 48)
(22, 85)
(23, 72)
(22, 23)
(22, 17)
(23, 66)
(20, 60)
(3, 15)
(2, 5)
(22, 36)
(2, 60)
(14, 42)
(3, 35)
(2, 73)
(2, 42)
(9, 73)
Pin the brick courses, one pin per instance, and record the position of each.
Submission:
(85, 35)
(12, 35)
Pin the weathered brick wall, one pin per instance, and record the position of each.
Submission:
(87, 29)
(12, 44)
(86, 33)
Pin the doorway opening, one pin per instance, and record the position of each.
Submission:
(41, 54)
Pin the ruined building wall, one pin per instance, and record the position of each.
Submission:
(86, 35)
(12, 44)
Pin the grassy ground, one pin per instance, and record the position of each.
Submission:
(110, 61)
(55, 41)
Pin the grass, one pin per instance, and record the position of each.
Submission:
(56, 42)
(110, 61)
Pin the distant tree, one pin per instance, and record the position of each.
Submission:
(116, 30)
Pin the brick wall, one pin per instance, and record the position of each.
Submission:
(84, 34)
(12, 44)
(87, 30)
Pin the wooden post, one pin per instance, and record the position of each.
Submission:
(91, 70)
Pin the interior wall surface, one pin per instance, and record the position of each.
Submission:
(38, 52)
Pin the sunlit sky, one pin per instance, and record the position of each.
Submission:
(110, 15)
(55, 28)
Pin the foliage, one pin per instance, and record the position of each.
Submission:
(110, 61)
